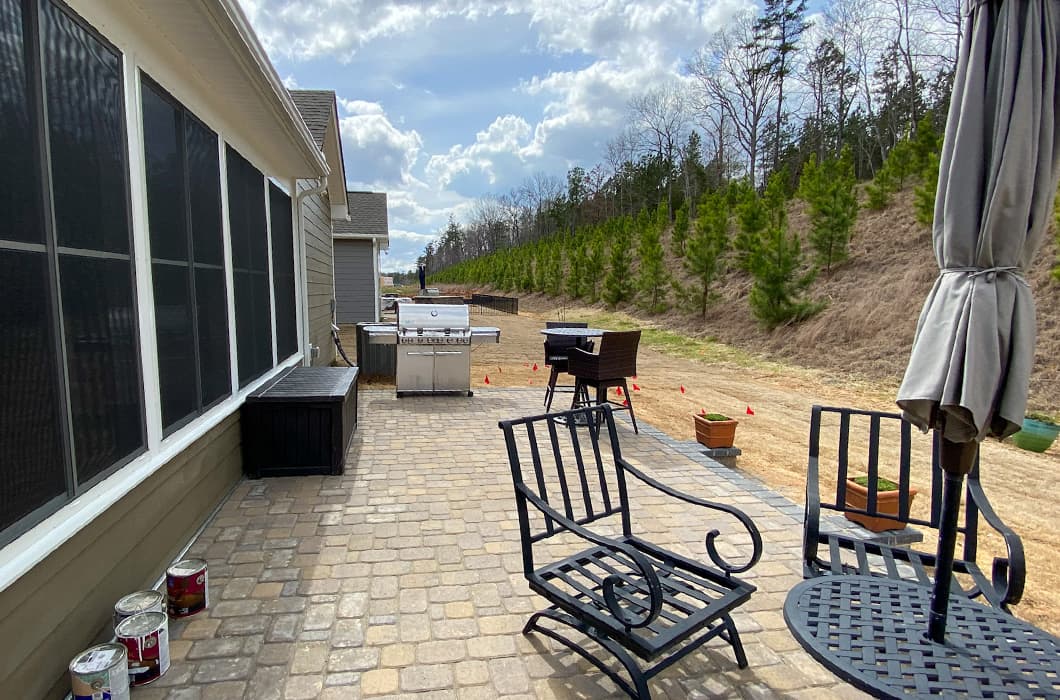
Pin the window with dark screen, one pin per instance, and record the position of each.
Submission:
(187, 260)
(250, 266)
(73, 408)
(283, 271)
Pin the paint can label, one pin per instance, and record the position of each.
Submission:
(187, 588)
(146, 639)
(100, 673)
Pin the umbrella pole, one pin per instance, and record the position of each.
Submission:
(956, 460)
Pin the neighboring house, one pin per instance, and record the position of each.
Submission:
(159, 260)
(357, 244)
(319, 109)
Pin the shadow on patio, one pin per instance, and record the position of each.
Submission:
(404, 576)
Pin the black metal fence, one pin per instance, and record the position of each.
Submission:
(487, 303)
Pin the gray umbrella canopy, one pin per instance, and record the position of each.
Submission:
(974, 346)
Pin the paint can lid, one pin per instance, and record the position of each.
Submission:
(98, 658)
(138, 602)
(186, 567)
(140, 624)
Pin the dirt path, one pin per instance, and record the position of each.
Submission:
(774, 439)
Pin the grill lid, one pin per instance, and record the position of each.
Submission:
(418, 317)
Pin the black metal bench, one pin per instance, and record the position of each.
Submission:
(853, 435)
(621, 591)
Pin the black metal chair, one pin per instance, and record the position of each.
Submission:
(623, 592)
(827, 552)
(556, 352)
(616, 360)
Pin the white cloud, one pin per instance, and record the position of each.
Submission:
(504, 139)
(360, 107)
(377, 152)
(290, 82)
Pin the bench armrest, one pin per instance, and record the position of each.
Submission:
(651, 579)
(1009, 573)
(712, 550)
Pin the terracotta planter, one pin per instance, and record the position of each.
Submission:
(715, 433)
(886, 503)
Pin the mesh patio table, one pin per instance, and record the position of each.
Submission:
(871, 632)
(574, 332)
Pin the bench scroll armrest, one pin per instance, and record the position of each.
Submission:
(712, 550)
(1009, 573)
(651, 579)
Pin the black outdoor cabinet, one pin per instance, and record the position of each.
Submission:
(301, 423)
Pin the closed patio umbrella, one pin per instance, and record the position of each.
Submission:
(974, 347)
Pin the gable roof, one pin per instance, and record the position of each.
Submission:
(367, 217)
(320, 112)
(316, 107)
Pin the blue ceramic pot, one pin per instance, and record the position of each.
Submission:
(1035, 435)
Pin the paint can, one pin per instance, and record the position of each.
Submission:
(146, 639)
(100, 673)
(141, 601)
(187, 587)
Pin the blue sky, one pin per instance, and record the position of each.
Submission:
(443, 101)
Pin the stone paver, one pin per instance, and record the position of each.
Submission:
(403, 577)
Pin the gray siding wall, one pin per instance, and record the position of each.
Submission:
(65, 604)
(316, 213)
(354, 282)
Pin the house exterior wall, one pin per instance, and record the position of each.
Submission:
(59, 580)
(316, 222)
(355, 282)
(65, 603)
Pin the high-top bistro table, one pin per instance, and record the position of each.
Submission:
(573, 332)
(871, 632)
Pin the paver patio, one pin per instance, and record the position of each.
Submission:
(403, 577)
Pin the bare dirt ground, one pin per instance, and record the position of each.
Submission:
(774, 440)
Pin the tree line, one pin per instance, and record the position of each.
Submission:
(772, 107)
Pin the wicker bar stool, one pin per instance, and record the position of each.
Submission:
(616, 360)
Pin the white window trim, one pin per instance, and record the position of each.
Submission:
(33, 546)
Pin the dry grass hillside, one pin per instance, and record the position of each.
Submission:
(874, 300)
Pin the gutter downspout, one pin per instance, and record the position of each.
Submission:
(319, 188)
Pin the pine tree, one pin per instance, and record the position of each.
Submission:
(575, 272)
(618, 285)
(651, 275)
(779, 28)
(705, 248)
(753, 220)
(776, 268)
(593, 268)
(924, 194)
(680, 232)
(829, 190)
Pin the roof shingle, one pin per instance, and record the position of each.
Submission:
(367, 215)
(315, 106)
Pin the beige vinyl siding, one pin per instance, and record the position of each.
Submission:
(66, 602)
(316, 213)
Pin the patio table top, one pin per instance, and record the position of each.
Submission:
(404, 576)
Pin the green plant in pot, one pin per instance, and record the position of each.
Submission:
(715, 430)
(1038, 432)
(888, 498)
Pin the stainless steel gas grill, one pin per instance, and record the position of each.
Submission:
(433, 347)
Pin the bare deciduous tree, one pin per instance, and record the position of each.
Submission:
(732, 73)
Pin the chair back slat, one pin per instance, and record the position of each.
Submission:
(569, 459)
(561, 473)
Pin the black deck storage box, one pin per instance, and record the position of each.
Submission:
(301, 423)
